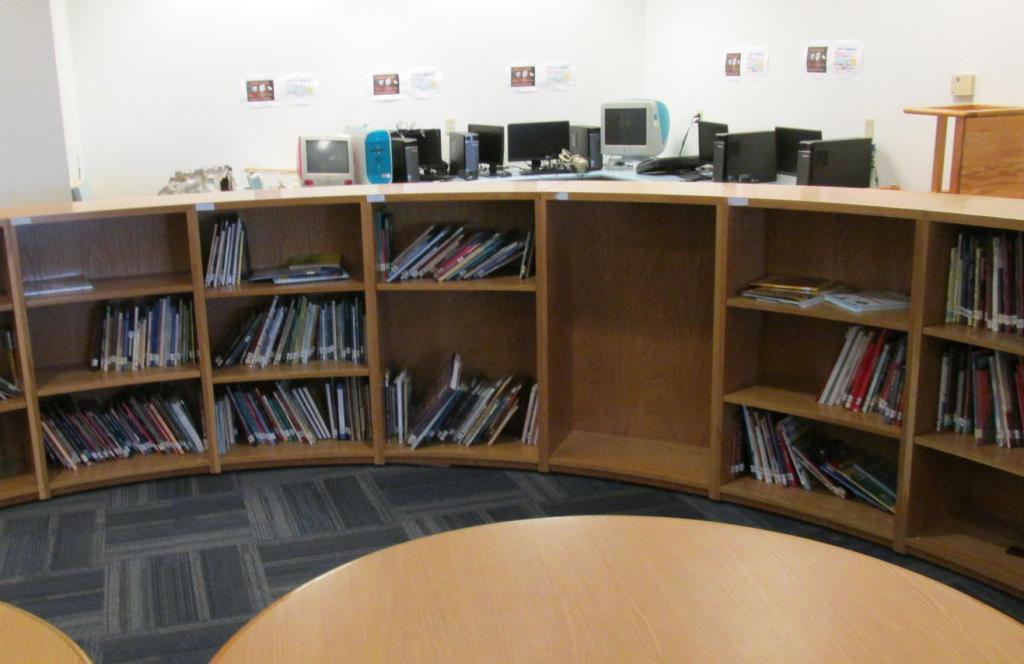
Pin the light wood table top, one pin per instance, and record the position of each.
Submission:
(26, 638)
(623, 588)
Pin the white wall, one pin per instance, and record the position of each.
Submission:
(158, 81)
(33, 162)
(67, 88)
(911, 48)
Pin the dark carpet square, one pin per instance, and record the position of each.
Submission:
(78, 541)
(624, 502)
(232, 581)
(153, 592)
(432, 488)
(284, 511)
(55, 596)
(24, 544)
(355, 507)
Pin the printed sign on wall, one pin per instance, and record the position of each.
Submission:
(522, 77)
(816, 60)
(385, 85)
(423, 82)
(259, 92)
(733, 60)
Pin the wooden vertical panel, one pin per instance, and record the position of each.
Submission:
(369, 245)
(925, 281)
(557, 242)
(28, 382)
(540, 235)
(957, 162)
(203, 338)
(718, 469)
(939, 155)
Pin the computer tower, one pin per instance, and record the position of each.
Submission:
(405, 159)
(745, 157)
(464, 154)
(371, 154)
(835, 163)
(586, 142)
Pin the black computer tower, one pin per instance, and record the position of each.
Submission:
(405, 159)
(745, 157)
(844, 162)
(464, 154)
(586, 142)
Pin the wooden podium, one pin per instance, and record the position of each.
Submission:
(988, 149)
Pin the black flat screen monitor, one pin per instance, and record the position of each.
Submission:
(536, 141)
(749, 156)
(787, 143)
(492, 145)
(429, 143)
(706, 139)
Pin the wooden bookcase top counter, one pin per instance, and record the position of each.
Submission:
(631, 324)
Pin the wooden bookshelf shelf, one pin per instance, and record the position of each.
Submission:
(806, 405)
(132, 469)
(120, 288)
(5, 303)
(260, 289)
(892, 320)
(512, 284)
(661, 461)
(504, 452)
(976, 547)
(12, 404)
(817, 505)
(66, 380)
(1010, 460)
(313, 369)
(976, 336)
(18, 489)
(297, 454)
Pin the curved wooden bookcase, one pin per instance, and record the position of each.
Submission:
(631, 325)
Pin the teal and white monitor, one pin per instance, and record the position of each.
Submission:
(325, 160)
(634, 128)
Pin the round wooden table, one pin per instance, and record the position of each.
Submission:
(623, 588)
(26, 638)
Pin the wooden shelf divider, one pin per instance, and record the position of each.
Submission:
(892, 320)
(505, 451)
(509, 283)
(262, 289)
(133, 469)
(1010, 460)
(120, 288)
(294, 454)
(13, 404)
(67, 380)
(976, 336)
(313, 369)
(978, 548)
(18, 489)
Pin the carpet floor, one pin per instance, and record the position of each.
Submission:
(168, 570)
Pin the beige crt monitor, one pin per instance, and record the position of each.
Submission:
(326, 160)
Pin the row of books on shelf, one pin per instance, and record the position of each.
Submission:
(981, 394)
(465, 411)
(10, 382)
(84, 434)
(331, 409)
(806, 292)
(228, 261)
(869, 374)
(785, 450)
(986, 281)
(297, 330)
(141, 335)
(447, 252)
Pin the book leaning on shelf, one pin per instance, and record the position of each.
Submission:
(64, 284)
(297, 330)
(981, 394)
(868, 376)
(985, 286)
(447, 252)
(10, 382)
(785, 451)
(228, 259)
(75, 435)
(457, 410)
(330, 409)
(137, 336)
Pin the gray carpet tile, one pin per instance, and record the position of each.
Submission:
(167, 571)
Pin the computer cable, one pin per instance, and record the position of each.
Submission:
(696, 118)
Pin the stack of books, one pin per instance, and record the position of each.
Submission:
(136, 336)
(464, 412)
(303, 270)
(799, 291)
(869, 374)
(868, 301)
(10, 383)
(530, 425)
(783, 450)
(297, 330)
(986, 281)
(64, 284)
(981, 394)
(384, 233)
(449, 252)
(229, 255)
(332, 409)
(75, 435)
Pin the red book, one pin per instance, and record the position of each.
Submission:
(865, 370)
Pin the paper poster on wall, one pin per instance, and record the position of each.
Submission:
(755, 63)
(522, 77)
(816, 59)
(298, 89)
(560, 75)
(848, 59)
(385, 86)
(259, 92)
(423, 82)
(733, 60)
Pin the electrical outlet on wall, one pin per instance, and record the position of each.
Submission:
(449, 125)
(962, 85)
(869, 128)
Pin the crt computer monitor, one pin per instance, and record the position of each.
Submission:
(536, 141)
(787, 143)
(634, 128)
(844, 162)
(706, 132)
(745, 157)
(325, 160)
(492, 145)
